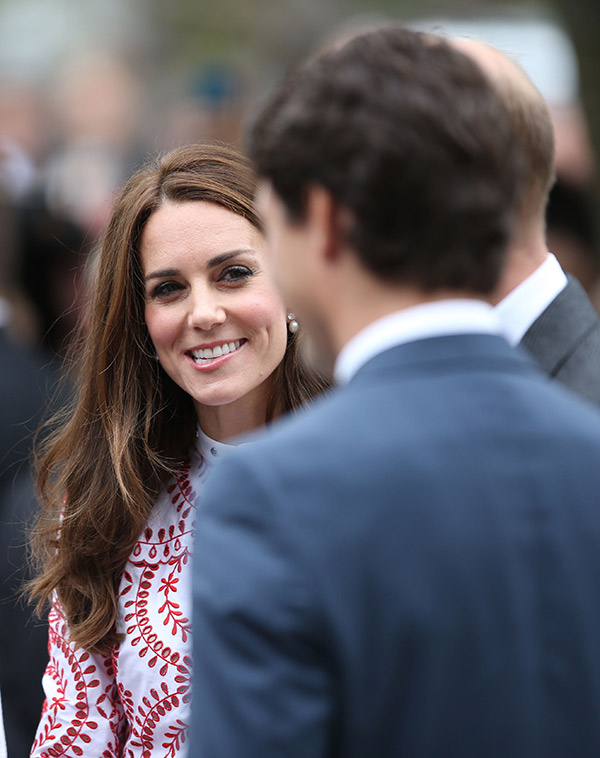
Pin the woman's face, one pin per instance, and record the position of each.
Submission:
(213, 312)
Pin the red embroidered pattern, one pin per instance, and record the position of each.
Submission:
(133, 703)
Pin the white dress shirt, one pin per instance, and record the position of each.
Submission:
(521, 307)
(5, 312)
(3, 753)
(436, 319)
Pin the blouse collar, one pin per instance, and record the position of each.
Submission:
(211, 449)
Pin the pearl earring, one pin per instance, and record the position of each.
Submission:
(292, 323)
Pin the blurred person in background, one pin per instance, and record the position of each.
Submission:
(187, 345)
(96, 110)
(411, 566)
(572, 229)
(23, 638)
(541, 308)
(53, 253)
(27, 381)
(38, 311)
(23, 136)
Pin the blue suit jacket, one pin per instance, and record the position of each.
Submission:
(410, 568)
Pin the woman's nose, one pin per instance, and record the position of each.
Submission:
(206, 311)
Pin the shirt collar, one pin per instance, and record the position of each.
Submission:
(208, 448)
(521, 307)
(439, 318)
(5, 312)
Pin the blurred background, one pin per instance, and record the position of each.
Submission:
(90, 87)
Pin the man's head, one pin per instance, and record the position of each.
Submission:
(529, 119)
(404, 138)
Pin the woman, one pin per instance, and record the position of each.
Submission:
(187, 343)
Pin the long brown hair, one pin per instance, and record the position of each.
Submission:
(130, 426)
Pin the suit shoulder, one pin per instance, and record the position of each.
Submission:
(565, 342)
(580, 370)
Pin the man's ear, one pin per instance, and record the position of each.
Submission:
(322, 218)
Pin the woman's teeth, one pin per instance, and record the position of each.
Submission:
(209, 353)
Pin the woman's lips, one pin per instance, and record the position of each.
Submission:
(207, 356)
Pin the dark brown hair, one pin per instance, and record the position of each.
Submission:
(130, 426)
(407, 135)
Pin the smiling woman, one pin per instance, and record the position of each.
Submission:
(186, 345)
(212, 311)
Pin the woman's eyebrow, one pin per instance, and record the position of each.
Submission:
(161, 273)
(212, 263)
(223, 257)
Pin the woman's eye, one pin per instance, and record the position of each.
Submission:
(164, 289)
(236, 273)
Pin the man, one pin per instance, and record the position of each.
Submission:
(545, 311)
(411, 566)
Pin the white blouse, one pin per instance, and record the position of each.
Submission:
(135, 701)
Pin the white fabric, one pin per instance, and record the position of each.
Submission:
(3, 753)
(5, 312)
(442, 317)
(521, 307)
(137, 697)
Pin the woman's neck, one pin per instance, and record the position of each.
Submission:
(222, 422)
